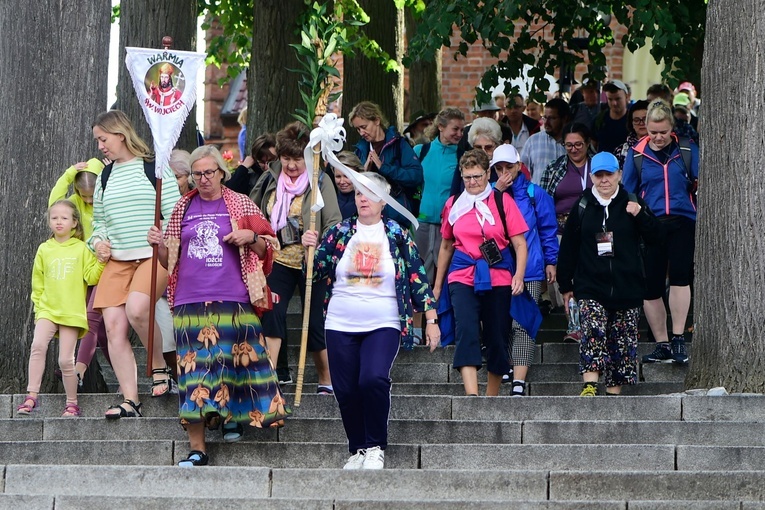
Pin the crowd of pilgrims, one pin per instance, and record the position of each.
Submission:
(586, 204)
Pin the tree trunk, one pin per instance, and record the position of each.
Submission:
(272, 92)
(143, 24)
(52, 85)
(728, 349)
(424, 79)
(367, 80)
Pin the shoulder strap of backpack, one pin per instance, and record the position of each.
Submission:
(632, 197)
(105, 175)
(501, 210)
(582, 206)
(424, 151)
(684, 143)
(530, 193)
(148, 169)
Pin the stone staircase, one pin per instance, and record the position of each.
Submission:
(550, 450)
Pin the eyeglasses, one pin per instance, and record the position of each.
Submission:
(485, 148)
(638, 120)
(468, 178)
(206, 173)
(575, 145)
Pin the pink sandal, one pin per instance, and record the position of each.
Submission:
(27, 408)
(71, 411)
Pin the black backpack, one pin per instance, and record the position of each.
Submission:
(148, 168)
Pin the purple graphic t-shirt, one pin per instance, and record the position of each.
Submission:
(208, 268)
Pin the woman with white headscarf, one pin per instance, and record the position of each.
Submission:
(478, 227)
(376, 282)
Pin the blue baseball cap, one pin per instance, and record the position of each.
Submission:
(604, 162)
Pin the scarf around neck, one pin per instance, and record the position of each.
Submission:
(465, 203)
(286, 191)
(605, 202)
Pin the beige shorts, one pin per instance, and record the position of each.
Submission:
(120, 278)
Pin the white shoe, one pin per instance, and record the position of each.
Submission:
(356, 461)
(374, 458)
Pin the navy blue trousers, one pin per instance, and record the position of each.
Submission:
(481, 319)
(359, 364)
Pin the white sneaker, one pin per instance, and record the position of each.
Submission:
(356, 461)
(374, 458)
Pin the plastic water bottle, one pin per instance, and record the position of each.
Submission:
(573, 316)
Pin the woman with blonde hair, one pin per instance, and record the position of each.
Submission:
(122, 212)
(666, 178)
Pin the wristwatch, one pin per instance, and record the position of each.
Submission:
(432, 321)
(254, 238)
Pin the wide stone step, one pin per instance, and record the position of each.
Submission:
(709, 433)
(659, 485)
(499, 456)
(12, 501)
(740, 408)
(571, 389)
(649, 488)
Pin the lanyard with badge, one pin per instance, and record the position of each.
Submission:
(489, 247)
(605, 239)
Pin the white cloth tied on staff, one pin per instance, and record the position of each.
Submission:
(331, 135)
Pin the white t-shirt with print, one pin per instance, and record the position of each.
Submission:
(364, 292)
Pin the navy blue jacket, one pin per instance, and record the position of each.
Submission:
(541, 238)
(401, 169)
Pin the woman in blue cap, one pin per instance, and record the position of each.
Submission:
(600, 264)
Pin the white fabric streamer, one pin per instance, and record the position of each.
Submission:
(331, 135)
(465, 203)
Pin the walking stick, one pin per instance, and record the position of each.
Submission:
(308, 279)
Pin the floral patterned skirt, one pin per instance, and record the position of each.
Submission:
(223, 366)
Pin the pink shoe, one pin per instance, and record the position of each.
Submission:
(29, 405)
(573, 337)
(71, 411)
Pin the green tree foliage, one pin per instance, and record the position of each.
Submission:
(235, 17)
(556, 33)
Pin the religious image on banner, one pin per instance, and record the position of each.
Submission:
(165, 84)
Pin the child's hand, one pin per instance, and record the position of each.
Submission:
(82, 165)
(106, 161)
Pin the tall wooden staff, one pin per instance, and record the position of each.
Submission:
(319, 112)
(167, 42)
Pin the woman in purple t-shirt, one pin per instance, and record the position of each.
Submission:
(218, 248)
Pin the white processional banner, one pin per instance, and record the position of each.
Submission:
(165, 82)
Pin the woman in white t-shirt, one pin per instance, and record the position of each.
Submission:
(376, 283)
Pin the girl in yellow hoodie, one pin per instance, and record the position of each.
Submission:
(81, 177)
(63, 268)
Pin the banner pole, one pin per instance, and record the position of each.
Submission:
(167, 42)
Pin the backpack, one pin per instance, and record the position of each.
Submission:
(148, 168)
(685, 151)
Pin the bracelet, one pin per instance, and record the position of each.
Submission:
(254, 238)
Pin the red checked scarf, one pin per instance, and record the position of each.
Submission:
(244, 215)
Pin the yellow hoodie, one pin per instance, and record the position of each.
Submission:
(61, 188)
(60, 276)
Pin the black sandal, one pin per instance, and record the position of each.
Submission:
(158, 382)
(195, 458)
(135, 412)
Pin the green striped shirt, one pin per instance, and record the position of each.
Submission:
(124, 212)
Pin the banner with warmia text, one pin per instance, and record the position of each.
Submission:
(165, 82)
